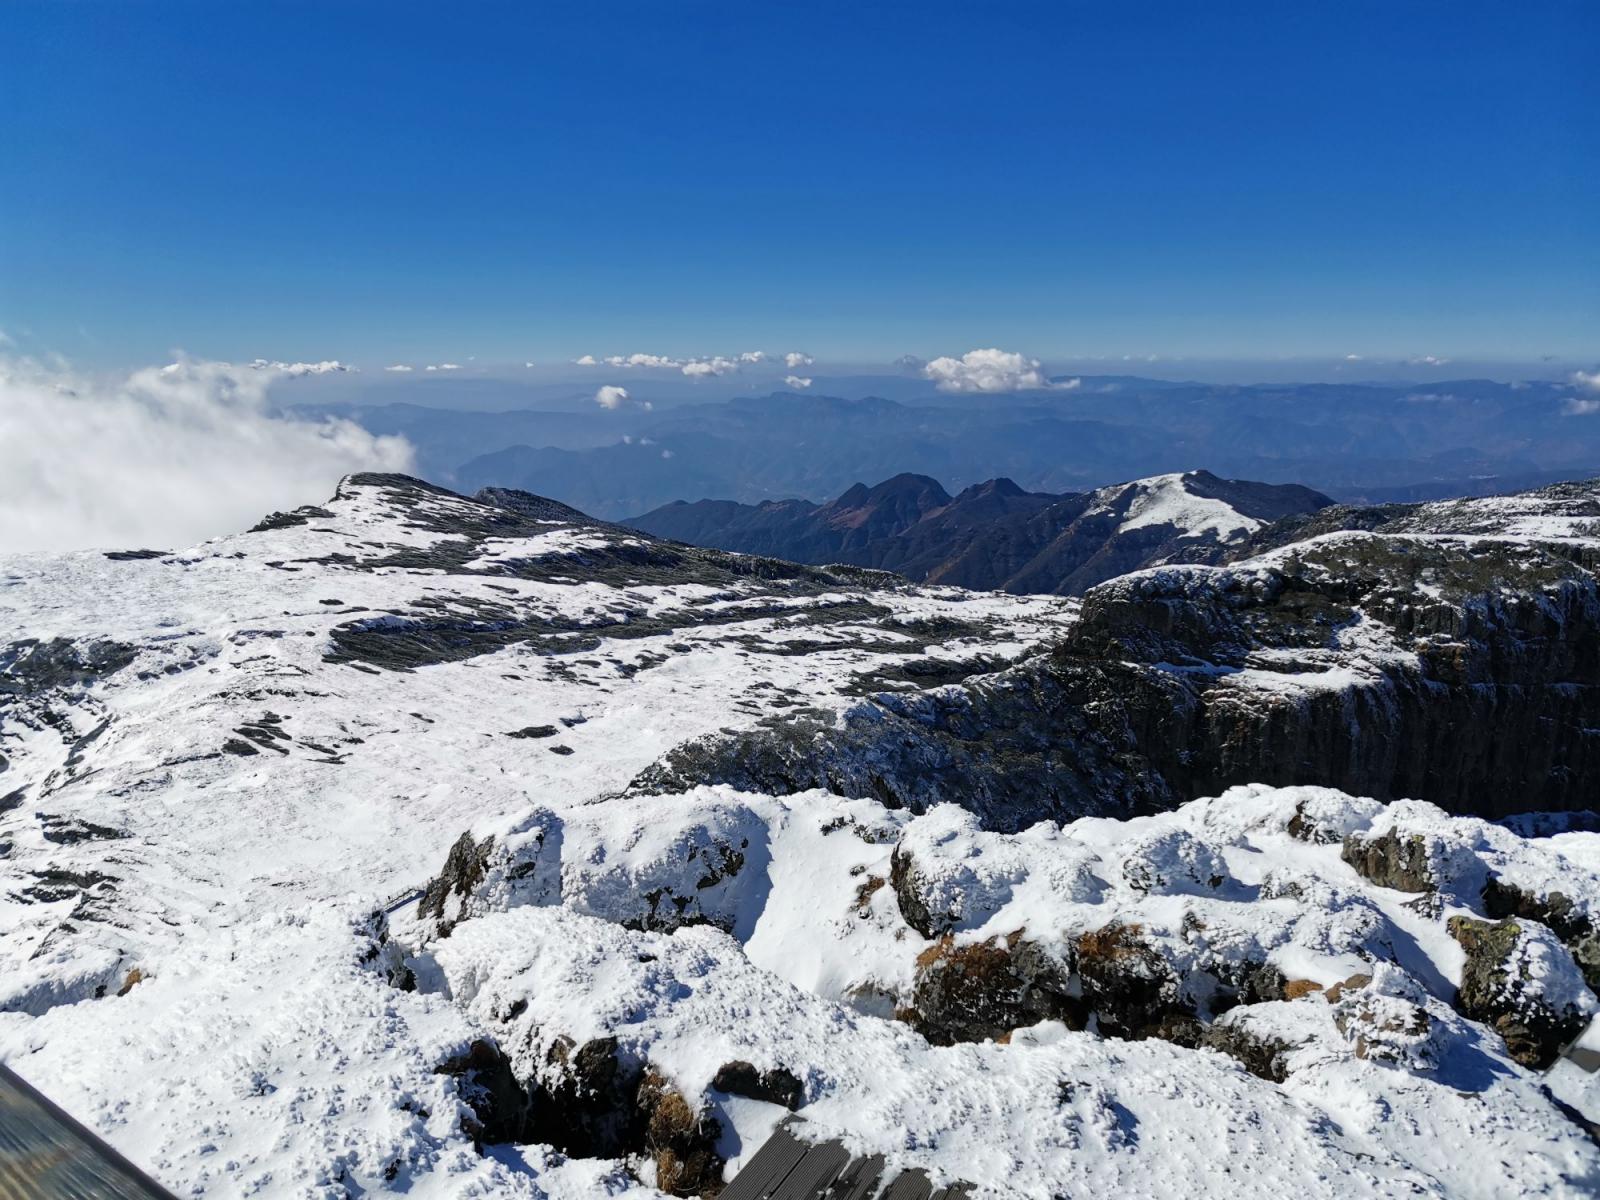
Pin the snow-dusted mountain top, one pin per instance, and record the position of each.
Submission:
(994, 535)
(363, 853)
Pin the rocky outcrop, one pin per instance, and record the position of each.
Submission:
(597, 1101)
(984, 990)
(1391, 860)
(1555, 909)
(499, 1104)
(776, 1086)
(1464, 672)
(1520, 981)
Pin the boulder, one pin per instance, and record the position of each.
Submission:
(1520, 981)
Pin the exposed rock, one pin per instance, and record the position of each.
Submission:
(499, 1102)
(776, 1086)
(1461, 672)
(980, 990)
(1259, 1054)
(1125, 984)
(1392, 860)
(1567, 920)
(1521, 981)
(519, 864)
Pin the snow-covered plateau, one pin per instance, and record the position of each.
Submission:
(393, 848)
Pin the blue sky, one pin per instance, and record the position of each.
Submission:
(386, 181)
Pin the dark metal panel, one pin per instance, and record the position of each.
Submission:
(46, 1155)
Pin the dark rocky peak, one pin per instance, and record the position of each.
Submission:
(540, 508)
(887, 508)
(1262, 501)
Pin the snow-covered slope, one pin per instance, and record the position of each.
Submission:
(326, 871)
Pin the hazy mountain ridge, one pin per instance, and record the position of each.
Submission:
(1345, 440)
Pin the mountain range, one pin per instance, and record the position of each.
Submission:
(1368, 442)
(993, 535)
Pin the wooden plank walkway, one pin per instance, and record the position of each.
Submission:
(790, 1168)
(46, 1155)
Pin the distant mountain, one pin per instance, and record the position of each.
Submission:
(1355, 442)
(995, 535)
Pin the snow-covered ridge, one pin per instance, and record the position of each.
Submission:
(320, 876)
(1166, 500)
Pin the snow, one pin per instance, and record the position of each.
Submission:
(1165, 500)
(210, 980)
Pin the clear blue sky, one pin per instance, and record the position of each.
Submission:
(373, 181)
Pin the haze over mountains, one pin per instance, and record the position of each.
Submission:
(994, 535)
(1358, 442)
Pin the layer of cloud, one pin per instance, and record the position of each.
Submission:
(398, 367)
(695, 368)
(989, 371)
(164, 457)
(797, 381)
(442, 367)
(330, 367)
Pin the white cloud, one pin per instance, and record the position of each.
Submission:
(330, 367)
(163, 457)
(988, 371)
(1575, 407)
(527, 364)
(666, 454)
(1427, 360)
(695, 368)
(797, 358)
(398, 367)
(716, 365)
(612, 397)
(1352, 358)
(1586, 379)
(641, 360)
(588, 360)
(797, 381)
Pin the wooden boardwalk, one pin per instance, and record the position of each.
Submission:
(46, 1155)
(789, 1168)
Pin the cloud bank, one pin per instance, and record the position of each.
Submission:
(695, 368)
(1587, 379)
(797, 381)
(989, 371)
(164, 457)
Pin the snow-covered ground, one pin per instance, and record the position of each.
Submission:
(231, 772)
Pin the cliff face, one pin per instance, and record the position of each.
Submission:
(1459, 669)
